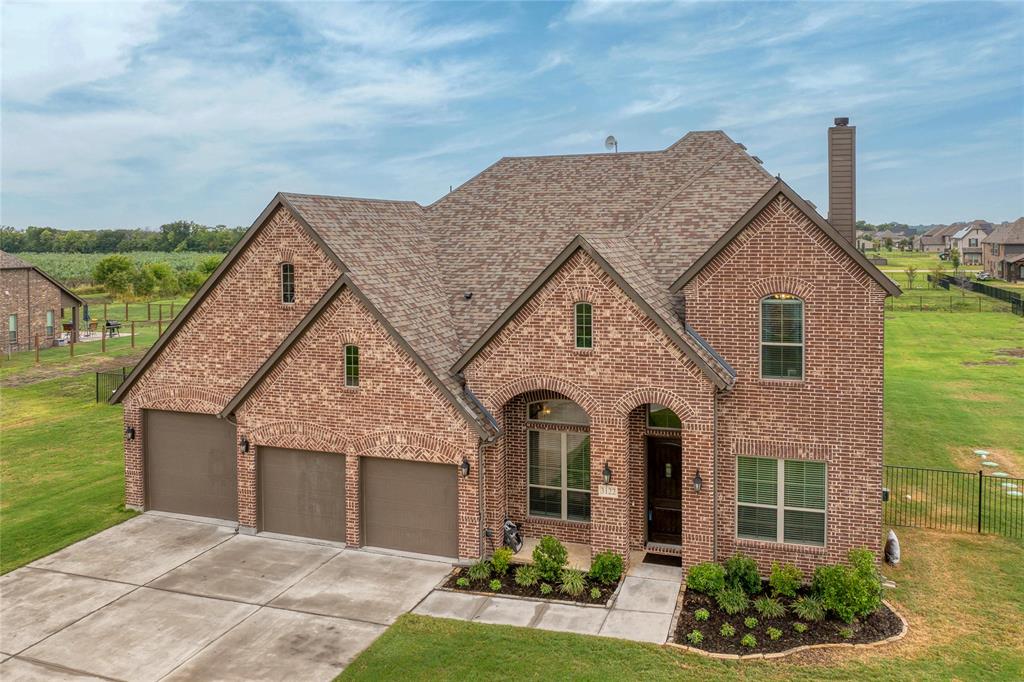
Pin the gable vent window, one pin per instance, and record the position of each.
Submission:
(352, 366)
(782, 337)
(287, 283)
(584, 325)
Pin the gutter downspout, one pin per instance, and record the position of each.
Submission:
(714, 476)
(480, 459)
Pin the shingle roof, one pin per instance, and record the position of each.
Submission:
(9, 262)
(1012, 233)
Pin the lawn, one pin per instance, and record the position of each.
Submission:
(923, 261)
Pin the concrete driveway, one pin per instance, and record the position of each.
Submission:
(159, 598)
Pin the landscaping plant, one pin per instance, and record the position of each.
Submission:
(606, 568)
(726, 630)
(741, 573)
(595, 592)
(750, 622)
(809, 608)
(501, 559)
(800, 627)
(708, 578)
(850, 591)
(774, 634)
(550, 557)
(846, 633)
(785, 580)
(695, 637)
(527, 576)
(732, 600)
(545, 589)
(481, 570)
(495, 585)
(462, 582)
(769, 607)
(701, 614)
(749, 641)
(573, 582)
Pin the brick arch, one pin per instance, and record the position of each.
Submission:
(179, 399)
(543, 382)
(412, 445)
(583, 294)
(781, 284)
(299, 435)
(642, 396)
(286, 255)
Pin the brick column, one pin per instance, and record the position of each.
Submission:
(698, 533)
(134, 479)
(609, 516)
(353, 523)
(246, 466)
(469, 510)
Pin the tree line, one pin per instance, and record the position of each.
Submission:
(179, 236)
(125, 279)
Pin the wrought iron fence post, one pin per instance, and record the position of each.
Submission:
(980, 477)
(97, 386)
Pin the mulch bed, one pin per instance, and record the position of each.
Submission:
(880, 625)
(510, 588)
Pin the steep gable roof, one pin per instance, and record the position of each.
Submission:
(1010, 233)
(11, 262)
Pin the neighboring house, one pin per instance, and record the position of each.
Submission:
(967, 240)
(1003, 251)
(32, 304)
(667, 351)
(931, 241)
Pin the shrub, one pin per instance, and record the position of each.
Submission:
(573, 582)
(850, 591)
(545, 589)
(481, 570)
(708, 578)
(550, 557)
(769, 607)
(701, 614)
(800, 627)
(750, 622)
(726, 630)
(527, 576)
(749, 641)
(462, 582)
(606, 568)
(501, 559)
(809, 608)
(595, 592)
(774, 634)
(785, 580)
(846, 633)
(741, 573)
(695, 637)
(732, 600)
(495, 585)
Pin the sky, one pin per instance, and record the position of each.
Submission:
(138, 114)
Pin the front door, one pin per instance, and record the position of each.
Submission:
(664, 492)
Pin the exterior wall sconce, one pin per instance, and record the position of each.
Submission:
(464, 467)
(245, 445)
(607, 474)
(130, 433)
(698, 482)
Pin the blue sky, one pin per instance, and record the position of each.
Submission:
(137, 114)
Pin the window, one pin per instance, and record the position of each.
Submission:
(12, 328)
(788, 490)
(49, 323)
(287, 283)
(782, 337)
(660, 417)
(352, 366)
(995, 250)
(559, 476)
(972, 242)
(584, 325)
(558, 412)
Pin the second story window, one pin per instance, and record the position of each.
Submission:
(351, 366)
(287, 283)
(782, 337)
(972, 243)
(584, 325)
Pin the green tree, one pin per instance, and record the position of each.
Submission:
(954, 259)
(110, 267)
(165, 280)
(911, 273)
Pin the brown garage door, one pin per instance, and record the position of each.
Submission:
(412, 506)
(302, 493)
(190, 464)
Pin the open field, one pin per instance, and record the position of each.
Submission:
(75, 269)
(927, 298)
(924, 261)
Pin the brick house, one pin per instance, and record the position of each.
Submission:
(667, 351)
(33, 303)
(967, 241)
(1003, 251)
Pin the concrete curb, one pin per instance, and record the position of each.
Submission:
(805, 647)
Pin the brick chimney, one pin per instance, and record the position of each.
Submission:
(842, 178)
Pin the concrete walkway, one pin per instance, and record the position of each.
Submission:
(159, 598)
(641, 611)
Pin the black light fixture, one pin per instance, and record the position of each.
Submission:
(697, 482)
(464, 467)
(245, 445)
(130, 432)
(607, 474)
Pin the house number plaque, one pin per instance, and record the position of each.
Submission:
(607, 491)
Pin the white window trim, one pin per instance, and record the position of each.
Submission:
(763, 343)
(564, 488)
(780, 505)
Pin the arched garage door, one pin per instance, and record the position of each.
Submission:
(410, 506)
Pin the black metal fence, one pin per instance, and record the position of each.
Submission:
(1012, 298)
(108, 382)
(954, 500)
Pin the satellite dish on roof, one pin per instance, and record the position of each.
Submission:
(611, 143)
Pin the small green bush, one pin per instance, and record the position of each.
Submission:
(785, 580)
(527, 576)
(462, 582)
(708, 578)
(550, 557)
(595, 592)
(850, 591)
(774, 634)
(809, 608)
(573, 582)
(481, 570)
(726, 630)
(732, 600)
(695, 637)
(501, 559)
(546, 589)
(606, 568)
(495, 585)
(846, 633)
(800, 627)
(750, 622)
(741, 573)
(701, 614)
(769, 607)
(749, 641)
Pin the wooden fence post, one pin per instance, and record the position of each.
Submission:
(37, 349)
(71, 346)
(172, 310)
(104, 311)
(161, 312)
(149, 311)
(133, 333)
(159, 328)
(103, 338)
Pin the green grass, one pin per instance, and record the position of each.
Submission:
(924, 297)
(923, 261)
(87, 355)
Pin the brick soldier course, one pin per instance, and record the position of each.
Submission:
(464, 312)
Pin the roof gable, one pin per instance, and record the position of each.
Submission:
(12, 262)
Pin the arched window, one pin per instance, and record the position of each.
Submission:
(584, 325)
(287, 283)
(558, 476)
(782, 337)
(351, 366)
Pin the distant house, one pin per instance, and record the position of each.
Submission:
(967, 240)
(931, 241)
(1003, 251)
(33, 304)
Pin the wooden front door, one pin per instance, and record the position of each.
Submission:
(664, 492)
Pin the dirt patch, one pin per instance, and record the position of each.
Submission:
(34, 375)
(988, 362)
(1012, 352)
(509, 587)
(966, 460)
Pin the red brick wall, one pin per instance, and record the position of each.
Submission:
(28, 295)
(394, 412)
(834, 413)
